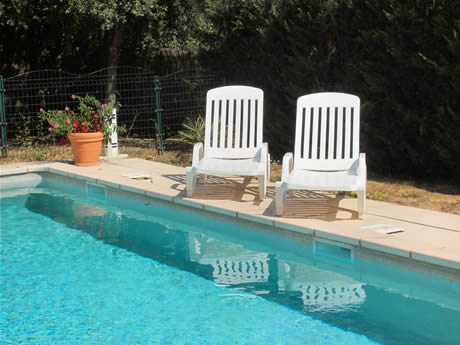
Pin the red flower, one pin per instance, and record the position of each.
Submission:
(63, 141)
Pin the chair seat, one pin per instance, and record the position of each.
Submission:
(219, 166)
(347, 180)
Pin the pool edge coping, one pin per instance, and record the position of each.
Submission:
(411, 254)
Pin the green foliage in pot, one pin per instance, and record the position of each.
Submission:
(90, 116)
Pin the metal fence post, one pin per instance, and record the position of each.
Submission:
(159, 126)
(3, 119)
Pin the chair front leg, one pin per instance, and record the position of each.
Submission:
(268, 168)
(361, 202)
(191, 182)
(262, 186)
(280, 199)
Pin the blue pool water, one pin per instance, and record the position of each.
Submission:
(86, 266)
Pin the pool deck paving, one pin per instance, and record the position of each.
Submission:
(428, 236)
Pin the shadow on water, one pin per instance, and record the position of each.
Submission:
(381, 312)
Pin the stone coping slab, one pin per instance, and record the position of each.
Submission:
(428, 236)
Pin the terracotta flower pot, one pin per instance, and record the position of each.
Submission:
(86, 148)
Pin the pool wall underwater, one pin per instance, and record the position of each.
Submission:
(277, 228)
(404, 277)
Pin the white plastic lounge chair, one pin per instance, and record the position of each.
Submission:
(326, 153)
(233, 137)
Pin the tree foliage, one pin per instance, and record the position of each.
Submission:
(400, 57)
(409, 69)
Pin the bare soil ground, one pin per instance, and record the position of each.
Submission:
(438, 197)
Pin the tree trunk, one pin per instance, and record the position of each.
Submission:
(112, 62)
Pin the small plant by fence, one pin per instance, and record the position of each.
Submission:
(153, 107)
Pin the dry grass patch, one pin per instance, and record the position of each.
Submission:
(437, 197)
(37, 153)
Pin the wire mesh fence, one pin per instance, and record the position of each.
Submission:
(152, 107)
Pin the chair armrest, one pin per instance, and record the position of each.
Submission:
(288, 165)
(264, 153)
(362, 164)
(362, 168)
(197, 154)
(265, 160)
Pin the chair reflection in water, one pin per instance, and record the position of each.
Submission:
(233, 264)
(321, 290)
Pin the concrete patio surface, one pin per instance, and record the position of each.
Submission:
(428, 236)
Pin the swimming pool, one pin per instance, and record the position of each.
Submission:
(85, 264)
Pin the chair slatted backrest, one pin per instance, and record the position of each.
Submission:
(327, 131)
(234, 122)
